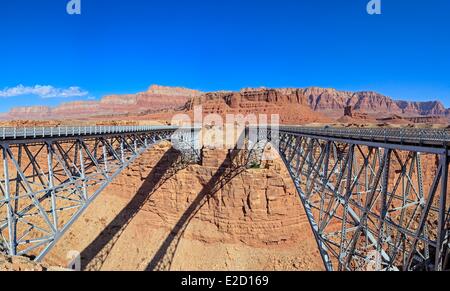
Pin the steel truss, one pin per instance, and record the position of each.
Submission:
(371, 205)
(50, 178)
(376, 200)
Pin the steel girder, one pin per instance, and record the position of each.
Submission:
(371, 202)
(50, 178)
(382, 207)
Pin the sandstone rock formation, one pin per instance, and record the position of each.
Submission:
(287, 103)
(201, 217)
(31, 112)
(329, 101)
(433, 108)
(295, 105)
(156, 99)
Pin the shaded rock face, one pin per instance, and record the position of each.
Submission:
(423, 108)
(372, 102)
(259, 207)
(348, 111)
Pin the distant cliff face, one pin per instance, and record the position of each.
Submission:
(423, 108)
(157, 98)
(317, 99)
(291, 106)
(172, 91)
(32, 112)
(294, 105)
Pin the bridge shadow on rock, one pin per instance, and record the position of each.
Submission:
(94, 256)
(233, 165)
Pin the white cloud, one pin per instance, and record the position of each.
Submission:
(46, 91)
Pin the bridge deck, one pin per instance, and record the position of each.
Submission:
(29, 133)
(425, 140)
(49, 171)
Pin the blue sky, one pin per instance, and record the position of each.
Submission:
(124, 46)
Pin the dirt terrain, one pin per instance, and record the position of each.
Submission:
(24, 264)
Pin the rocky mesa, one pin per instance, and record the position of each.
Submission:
(294, 105)
(155, 99)
(331, 102)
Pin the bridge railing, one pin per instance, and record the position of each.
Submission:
(66, 131)
(413, 135)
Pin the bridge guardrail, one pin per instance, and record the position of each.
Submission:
(412, 135)
(417, 136)
(68, 131)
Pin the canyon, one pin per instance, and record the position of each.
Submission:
(163, 214)
(294, 105)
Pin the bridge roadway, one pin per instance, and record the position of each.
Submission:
(25, 134)
(363, 189)
(422, 140)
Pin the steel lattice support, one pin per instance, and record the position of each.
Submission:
(372, 207)
(375, 199)
(48, 181)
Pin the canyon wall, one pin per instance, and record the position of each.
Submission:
(328, 101)
(212, 216)
(294, 105)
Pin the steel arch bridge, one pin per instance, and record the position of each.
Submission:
(51, 175)
(373, 198)
(376, 199)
